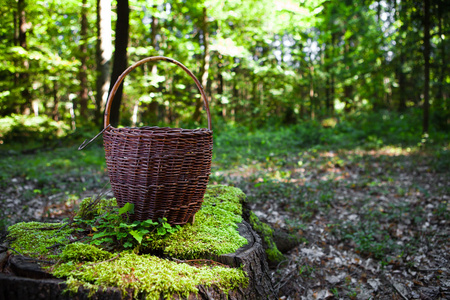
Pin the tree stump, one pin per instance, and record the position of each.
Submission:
(22, 278)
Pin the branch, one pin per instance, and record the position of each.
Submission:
(11, 248)
(200, 260)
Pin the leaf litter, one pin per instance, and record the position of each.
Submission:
(373, 224)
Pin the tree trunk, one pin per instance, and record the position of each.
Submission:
(103, 55)
(153, 105)
(442, 93)
(120, 57)
(83, 94)
(401, 83)
(55, 111)
(348, 91)
(23, 77)
(311, 90)
(426, 69)
(204, 70)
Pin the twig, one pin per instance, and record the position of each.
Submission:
(286, 260)
(53, 267)
(64, 226)
(70, 242)
(40, 260)
(205, 292)
(11, 248)
(395, 288)
(398, 291)
(43, 228)
(199, 260)
(100, 262)
(431, 270)
(97, 198)
(284, 280)
(27, 257)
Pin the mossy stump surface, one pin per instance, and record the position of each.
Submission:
(26, 277)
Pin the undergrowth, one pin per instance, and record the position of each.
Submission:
(101, 247)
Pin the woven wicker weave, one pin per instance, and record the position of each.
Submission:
(162, 171)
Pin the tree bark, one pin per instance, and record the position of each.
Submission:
(120, 56)
(426, 69)
(401, 83)
(103, 56)
(153, 105)
(83, 93)
(55, 111)
(204, 70)
(441, 95)
(23, 77)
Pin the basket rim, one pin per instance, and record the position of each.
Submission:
(147, 131)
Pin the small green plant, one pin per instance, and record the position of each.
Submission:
(101, 258)
(335, 292)
(111, 226)
(306, 271)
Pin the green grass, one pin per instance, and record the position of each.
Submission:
(50, 170)
(274, 164)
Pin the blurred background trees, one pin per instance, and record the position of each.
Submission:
(260, 61)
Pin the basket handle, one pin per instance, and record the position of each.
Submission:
(143, 61)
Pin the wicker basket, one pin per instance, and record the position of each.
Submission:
(162, 171)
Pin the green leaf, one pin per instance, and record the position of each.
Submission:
(100, 234)
(127, 245)
(139, 234)
(148, 223)
(161, 231)
(127, 208)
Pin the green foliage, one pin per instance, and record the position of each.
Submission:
(89, 208)
(214, 231)
(19, 128)
(63, 170)
(268, 61)
(88, 264)
(112, 230)
(278, 144)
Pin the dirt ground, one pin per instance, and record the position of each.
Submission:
(371, 224)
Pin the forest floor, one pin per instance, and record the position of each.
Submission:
(373, 224)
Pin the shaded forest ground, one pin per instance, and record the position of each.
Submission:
(370, 205)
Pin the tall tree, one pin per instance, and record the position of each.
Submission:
(104, 54)
(426, 69)
(83, 94)
(206, 57)
(23, 76)
(120, 56)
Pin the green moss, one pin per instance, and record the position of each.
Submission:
(272, 252)
(150, 275)
(214, 230)
(33, 238)
(79, 252)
